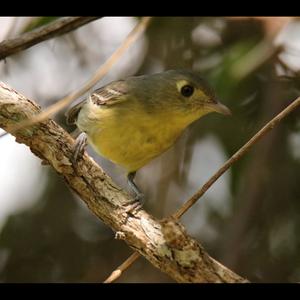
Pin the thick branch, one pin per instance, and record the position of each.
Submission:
(29, 39)
(164, 243)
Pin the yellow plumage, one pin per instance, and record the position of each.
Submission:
(132, 121)
(131, 138)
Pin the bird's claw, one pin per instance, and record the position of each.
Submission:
(136, 204)
(139, 198)
(133, 207)
(80, 144)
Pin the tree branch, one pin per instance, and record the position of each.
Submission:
(53, 29)
(163, 242)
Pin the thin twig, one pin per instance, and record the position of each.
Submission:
(53, 29)
(270, 125)
(124, 266)
(128, 41)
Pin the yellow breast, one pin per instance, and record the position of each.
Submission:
(129, 139)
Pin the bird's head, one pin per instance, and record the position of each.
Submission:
(191, 94)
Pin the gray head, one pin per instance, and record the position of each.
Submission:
(180, 90)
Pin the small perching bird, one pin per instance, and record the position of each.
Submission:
(132, 121)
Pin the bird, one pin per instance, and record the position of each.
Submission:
(134, 120)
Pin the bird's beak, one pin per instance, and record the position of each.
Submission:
(220, 108)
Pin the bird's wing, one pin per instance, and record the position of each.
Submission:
(107, 95)
(110, 94)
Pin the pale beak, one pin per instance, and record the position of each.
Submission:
(220, 108)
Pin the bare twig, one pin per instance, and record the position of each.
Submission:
(270, 125)
(128, 41)
(29, 39)
(124, 266)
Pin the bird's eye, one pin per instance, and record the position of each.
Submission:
(187, 90)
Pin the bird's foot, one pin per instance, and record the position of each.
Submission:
(139, 198)
(79, 147)
(136, 204)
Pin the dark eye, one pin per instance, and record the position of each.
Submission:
(187, 90)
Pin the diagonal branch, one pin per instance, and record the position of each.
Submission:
(164, 243)
(29, 39)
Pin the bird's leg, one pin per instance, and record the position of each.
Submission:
(139, 196)
(80, 144)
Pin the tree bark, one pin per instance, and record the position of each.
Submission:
(164, 243)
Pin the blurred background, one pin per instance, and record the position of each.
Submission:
(249, 220)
